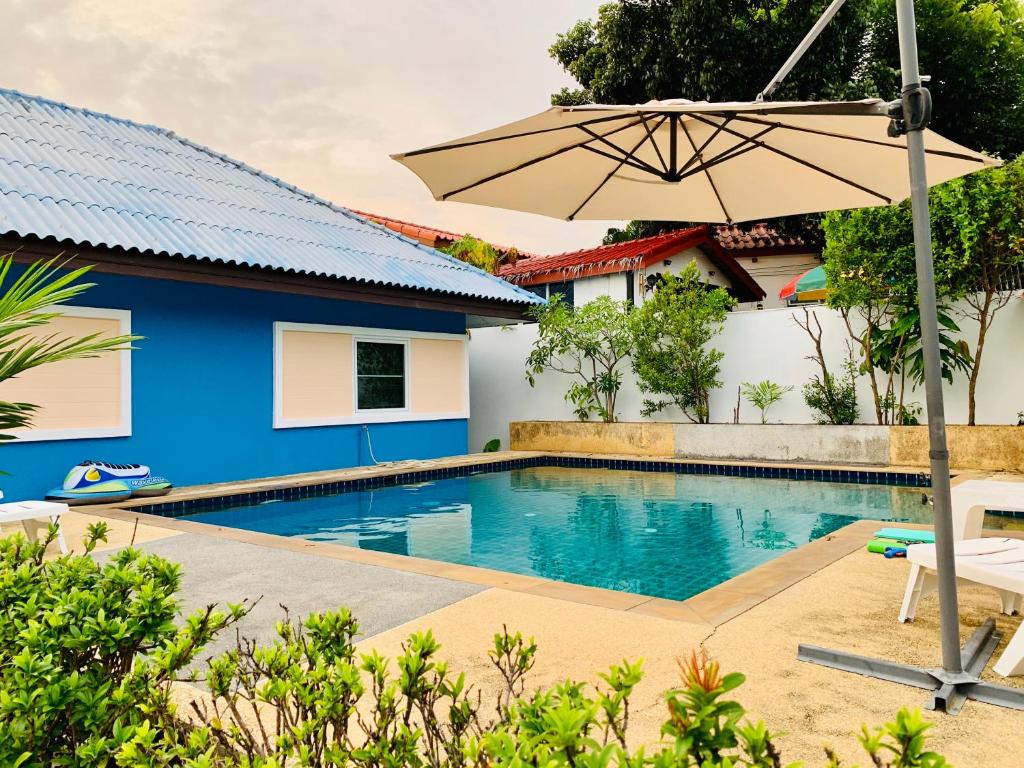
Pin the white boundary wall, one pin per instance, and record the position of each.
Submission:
(758, 345)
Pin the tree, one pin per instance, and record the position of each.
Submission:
(974, 52)
(477, 253)
(869, 265)
(978, 245)
(587, 343)
(713, 50)
(28, 304)
(833, 399)
(978, 229)
(671, 331)
(636, 230)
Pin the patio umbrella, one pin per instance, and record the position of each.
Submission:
(738, 161)
(808, 286)
(678, 160)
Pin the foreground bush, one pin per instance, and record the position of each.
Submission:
(89, 652)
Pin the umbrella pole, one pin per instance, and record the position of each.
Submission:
(938, 452)
(959, 678)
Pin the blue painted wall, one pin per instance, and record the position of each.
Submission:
(202, 391)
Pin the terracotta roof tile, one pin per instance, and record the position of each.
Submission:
(626, 254)
(622, 257)
(760, 236)
(437, 238)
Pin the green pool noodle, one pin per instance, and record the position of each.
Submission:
(878, 546)
(906, 534)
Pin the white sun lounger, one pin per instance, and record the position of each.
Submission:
(19, 511)
(996, 563)
(972, 497)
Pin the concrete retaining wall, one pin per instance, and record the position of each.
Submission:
(992, 448)
(623, 438)
(854, 444)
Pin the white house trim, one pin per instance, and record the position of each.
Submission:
(124, 429)
(368, 416)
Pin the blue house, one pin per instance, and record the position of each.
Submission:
(281, 333)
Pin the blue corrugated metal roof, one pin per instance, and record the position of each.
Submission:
(93, 179)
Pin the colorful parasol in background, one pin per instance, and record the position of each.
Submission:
(810, 286)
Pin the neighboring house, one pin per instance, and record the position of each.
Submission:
(771, 258)
(631, 270)
(281, 333)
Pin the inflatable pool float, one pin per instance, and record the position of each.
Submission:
(90, 471)
(98, 482)
(95, 493)
(906, 535)
(149, 485)
(878, 546)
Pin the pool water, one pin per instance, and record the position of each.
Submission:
(661, 534)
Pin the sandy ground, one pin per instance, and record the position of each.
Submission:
(851, 605)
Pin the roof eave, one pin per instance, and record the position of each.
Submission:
(181, 268)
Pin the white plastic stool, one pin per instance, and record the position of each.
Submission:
(16, 511)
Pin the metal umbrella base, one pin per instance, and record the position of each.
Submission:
(948, 691)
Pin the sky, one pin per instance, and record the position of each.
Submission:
(317, 92)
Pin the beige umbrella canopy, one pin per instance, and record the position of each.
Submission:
(687, 161)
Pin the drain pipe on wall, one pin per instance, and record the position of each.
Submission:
(369, 443)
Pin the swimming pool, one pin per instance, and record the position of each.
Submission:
(653, 533)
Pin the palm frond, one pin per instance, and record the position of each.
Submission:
(15, 416)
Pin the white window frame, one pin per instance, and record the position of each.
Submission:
(124, 429)
(371, 415)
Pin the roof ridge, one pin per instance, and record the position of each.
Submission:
(592, 249)
(83, 110)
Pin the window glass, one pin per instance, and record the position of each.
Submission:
(380, 375)
(566, 289)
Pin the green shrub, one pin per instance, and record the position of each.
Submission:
(672, 354)
(88, 653)
(764, 395)
(833, 399)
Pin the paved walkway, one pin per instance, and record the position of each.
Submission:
(220, 571)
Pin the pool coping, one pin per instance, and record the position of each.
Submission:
(292, 487)
(711, 607)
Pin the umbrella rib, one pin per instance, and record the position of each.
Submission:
(654, 142)
(533, 161)
(707, 174)
(628, 155)
(524, 134)
(611, 173)
(862, 140)
(801, 161)
(631, 162)
(732, 152)
(707, 142)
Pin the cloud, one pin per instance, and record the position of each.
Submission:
(319, 92)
